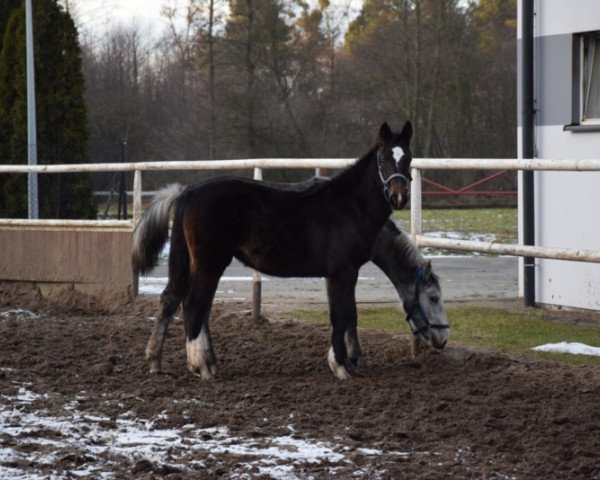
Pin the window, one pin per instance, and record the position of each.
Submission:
(590, 78)
(586, 83)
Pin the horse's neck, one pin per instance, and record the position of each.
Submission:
(399, 259)
(362, 183)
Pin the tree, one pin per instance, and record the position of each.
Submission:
(6, 9)
(318, 32)
(115, 74)
(407, 53)
(256, 43)
(494, 26)
(199, 45)
(274, 78)
(61, 113)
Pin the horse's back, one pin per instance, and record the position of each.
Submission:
(235, 201)
(231, 210)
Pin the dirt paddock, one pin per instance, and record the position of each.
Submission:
(77, 401)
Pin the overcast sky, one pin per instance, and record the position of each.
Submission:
(95, 16)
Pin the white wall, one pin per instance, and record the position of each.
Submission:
(567, 216)
(556, 17)
(567, 203)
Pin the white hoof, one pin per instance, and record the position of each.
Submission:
(202, 371)
(198, 359)
(337, 369)
(154, 366)
(153, 355)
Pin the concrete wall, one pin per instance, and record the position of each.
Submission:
(567, 213)
(92, 260)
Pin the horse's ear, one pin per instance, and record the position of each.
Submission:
(406, 133)
(427, 268)
(385, 133)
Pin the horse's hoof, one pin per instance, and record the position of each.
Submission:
(201, 360)
(338, 370)
(361, 368)
(203, 371)
(154, 367)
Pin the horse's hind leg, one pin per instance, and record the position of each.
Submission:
(196, 311)
(169, 303)
(342, 312)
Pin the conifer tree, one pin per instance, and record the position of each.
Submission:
(61, 113)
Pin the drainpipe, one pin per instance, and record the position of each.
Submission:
(528, 124)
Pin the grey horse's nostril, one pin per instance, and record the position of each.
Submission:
(443, 344)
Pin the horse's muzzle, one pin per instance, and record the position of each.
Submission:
(398, 193)
(436, 335)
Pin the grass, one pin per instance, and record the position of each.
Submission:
(500, 222)
(488, 328)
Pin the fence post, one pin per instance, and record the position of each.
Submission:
(122, 210)
(137, 196)
(415, 229)
(256, 280)
(136, 213)
(415, 205)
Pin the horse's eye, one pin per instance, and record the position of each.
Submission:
(434, 299)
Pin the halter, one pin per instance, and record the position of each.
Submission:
(386, 182)
(419, 308)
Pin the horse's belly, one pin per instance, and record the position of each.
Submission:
(308, 252)
(283, 264)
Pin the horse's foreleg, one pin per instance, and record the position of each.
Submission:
(342, 312)
(169, 303)
(355, 354)
(201, 358)
(415, 345)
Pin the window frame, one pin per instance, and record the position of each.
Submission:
(581, 81)
(590, 41)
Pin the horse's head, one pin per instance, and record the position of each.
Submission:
(425, 310)
(393, 160)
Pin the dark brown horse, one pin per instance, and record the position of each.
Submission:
(328, 231)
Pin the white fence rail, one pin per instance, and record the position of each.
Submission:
(418, 164)
(421, 240)
(138, 167)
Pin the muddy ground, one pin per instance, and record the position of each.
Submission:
(77, 401)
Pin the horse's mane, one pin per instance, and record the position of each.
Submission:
(315, 184)
(409, 251)
(360, 165)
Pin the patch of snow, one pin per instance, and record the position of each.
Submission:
(156, 285)
(477, 237)
(17, 313)
(134, 439)
(574, 348)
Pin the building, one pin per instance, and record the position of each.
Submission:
(566, 125)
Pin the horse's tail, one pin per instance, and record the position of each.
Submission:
(152, 231)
